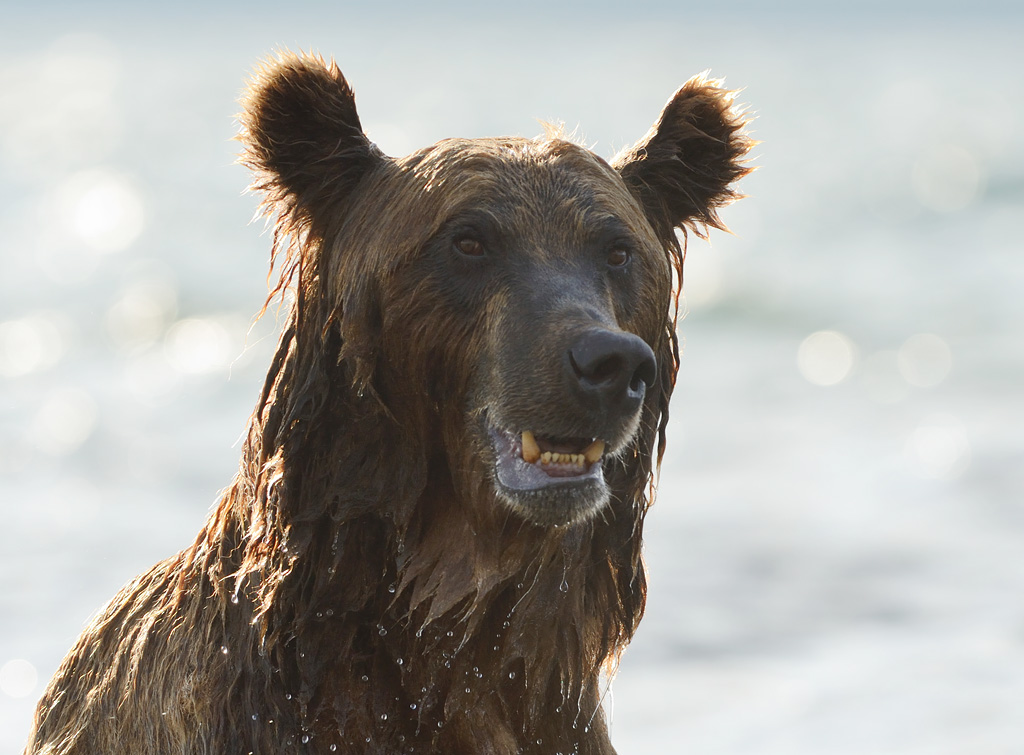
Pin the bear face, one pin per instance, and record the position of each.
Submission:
(531, 302)
(509, 299)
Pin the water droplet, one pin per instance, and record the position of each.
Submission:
(564, 587)
(365, 678)
(495, 647)
(451, 633)
(333, 748)
(399, 661)
(511, 674)
(412, 706)
(419, 632)
(391, 588)
(224, 649)
(383, 716)
(330, 612)
(305, 739)
(234, 598)
(255, 717)
(367, 739)
(381, 630)
(540, 741)
(319, 614)
(447, 664)
(506, 625)
(467, 690)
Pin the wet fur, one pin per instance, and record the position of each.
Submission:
(359, 584)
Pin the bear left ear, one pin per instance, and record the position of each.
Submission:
(683, 169)
(302, 136)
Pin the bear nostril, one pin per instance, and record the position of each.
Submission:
(644, 375)
(601, 370)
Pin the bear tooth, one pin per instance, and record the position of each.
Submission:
(531, 451)
(594, 451)
(545, 458)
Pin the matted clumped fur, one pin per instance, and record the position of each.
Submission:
(358, 588)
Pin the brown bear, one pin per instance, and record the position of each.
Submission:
(433, 541)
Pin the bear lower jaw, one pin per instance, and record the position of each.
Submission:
(559, 505)
(543, 494)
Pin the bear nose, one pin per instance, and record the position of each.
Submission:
(612, 369)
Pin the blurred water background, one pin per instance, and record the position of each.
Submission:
(837, 551)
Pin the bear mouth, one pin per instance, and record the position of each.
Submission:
(549, 480)
(530, 461)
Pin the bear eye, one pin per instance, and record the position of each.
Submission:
(619, 256)
(469, 246)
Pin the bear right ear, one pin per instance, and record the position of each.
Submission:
(683, 169)
(302, 136)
